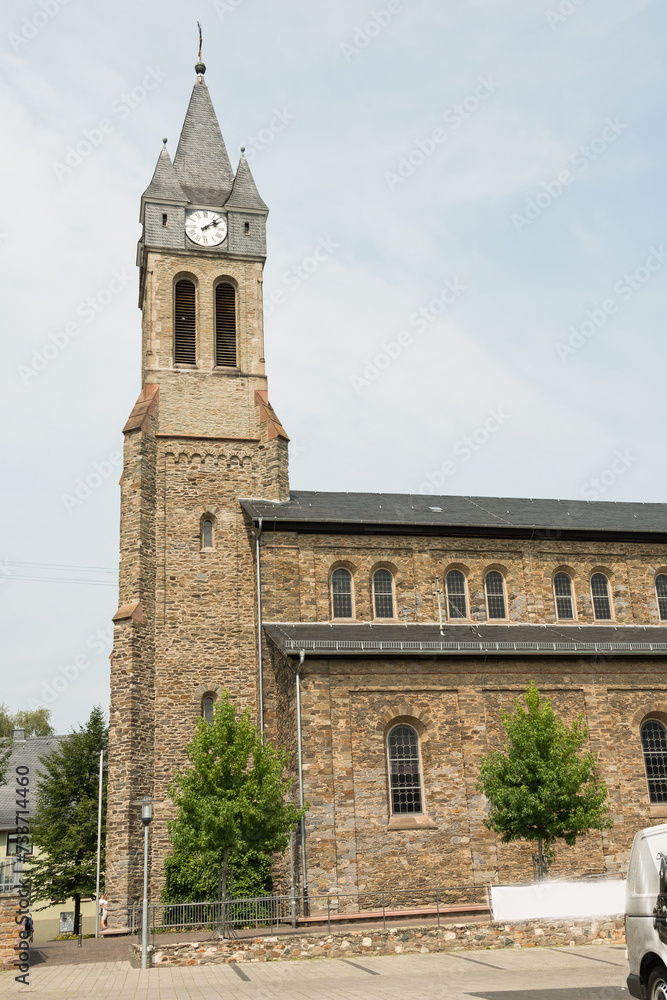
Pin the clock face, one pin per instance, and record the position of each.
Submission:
(206, 229)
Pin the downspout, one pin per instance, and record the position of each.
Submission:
(304, 874)
(258, 532)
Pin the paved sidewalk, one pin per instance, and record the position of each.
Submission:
(587, 973)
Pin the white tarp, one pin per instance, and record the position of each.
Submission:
(557, 900)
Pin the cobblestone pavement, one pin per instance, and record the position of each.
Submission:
(587, 973)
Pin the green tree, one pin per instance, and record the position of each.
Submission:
(65, 825)
(543, 787)
(233, 797)
(193, 878)
(35, 723)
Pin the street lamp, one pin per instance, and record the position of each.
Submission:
(146, 817)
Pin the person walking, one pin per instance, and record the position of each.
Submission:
(104, 912)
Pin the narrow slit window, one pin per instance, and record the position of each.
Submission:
(383, 593)
(247, 229)
(341, 593)
(654, 745)
(207, 534)
(164, 218)
(207, 709)
(495, 595)
(600, 595)
(185, 323)
(225, 326)
(563, 592)
(661, 592)
(404, 776)
(456, 594)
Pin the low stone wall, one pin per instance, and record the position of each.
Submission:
(9, 930)
(397, 940)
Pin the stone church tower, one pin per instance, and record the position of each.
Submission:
(201, 435)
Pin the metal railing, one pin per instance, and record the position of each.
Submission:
(273, 911)
(11, 873)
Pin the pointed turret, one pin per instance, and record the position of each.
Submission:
(201, 163)
(244, 193)
(165, 185)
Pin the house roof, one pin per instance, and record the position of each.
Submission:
(449, 515)
(379, 639)
(25, 753)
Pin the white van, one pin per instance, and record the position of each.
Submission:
(646, 914)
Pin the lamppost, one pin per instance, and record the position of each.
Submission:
(146, 817)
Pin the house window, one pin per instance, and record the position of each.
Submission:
(15, 838)
(341, 593)
(404, 776)
(207, 533)
(383, 593)
(600, 595)
(654, 743)
(495, 595)
(225, 325)
(563, 592)
(207, 708)
(456, 594)
(185, 323)
(661, 592)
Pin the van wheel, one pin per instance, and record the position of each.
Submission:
(657, 984)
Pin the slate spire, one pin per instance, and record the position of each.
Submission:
(244, 193)
(165, 185)
(201, 162)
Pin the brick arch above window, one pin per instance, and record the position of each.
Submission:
(400, 713)
(655, 710)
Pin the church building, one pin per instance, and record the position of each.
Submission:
(377, 637)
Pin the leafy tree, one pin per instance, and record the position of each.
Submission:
(35, 723)
(65, 824)
(5, 754)
(232, 798)
(196, 879)
(542, 787)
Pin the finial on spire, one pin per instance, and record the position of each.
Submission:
(164, 141)
(243, 152)
(200, 68)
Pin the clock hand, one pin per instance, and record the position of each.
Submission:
(216, 222)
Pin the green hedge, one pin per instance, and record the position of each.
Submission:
(197, 879)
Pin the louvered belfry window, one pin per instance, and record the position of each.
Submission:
(185, 323)
(225, 326)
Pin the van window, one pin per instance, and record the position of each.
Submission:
(647, 880)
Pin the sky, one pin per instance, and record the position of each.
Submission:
(486, 318)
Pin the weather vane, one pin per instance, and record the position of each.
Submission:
(199, 26)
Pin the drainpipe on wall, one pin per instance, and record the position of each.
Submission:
(258, 532)
(302, 656)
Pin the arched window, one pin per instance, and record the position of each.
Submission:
(404, 776)
(563, 592)
(225, 325)
(185, 323)
(600, 595)
(207, 708)
(654, 743)
(495, 595)
(661, 592)
(341, 593)
(207, 533)
(383, 593)
(456, 594)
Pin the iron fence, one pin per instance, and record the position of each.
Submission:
(273, 911)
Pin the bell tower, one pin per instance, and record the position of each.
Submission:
(201, 436)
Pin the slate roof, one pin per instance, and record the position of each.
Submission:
(244, 193)
(469, 640)
(25, 753)
(457, 515)
(201, 162)
(165, 185)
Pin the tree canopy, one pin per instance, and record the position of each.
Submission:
(65, 824)
(233, 796)
(543, 786)
(35, 723)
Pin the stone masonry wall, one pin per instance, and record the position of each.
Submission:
(455, 704)
(297, 571)
(394, 941)
(10, 931)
